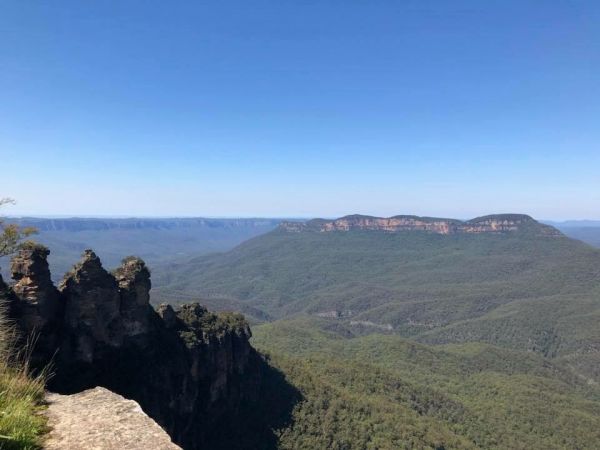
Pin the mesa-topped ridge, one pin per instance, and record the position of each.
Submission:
(496, 223)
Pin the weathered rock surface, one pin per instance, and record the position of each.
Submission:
(98, 419)
(192, 371)
(39, 308)
(33, 284)
(134, 283)
(500, 223)
(92, 307)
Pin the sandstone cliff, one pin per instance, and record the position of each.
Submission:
(192, 371)
(499, 223)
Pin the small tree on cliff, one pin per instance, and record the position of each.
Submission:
(12, 236)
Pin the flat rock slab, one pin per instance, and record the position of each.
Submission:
(98, 419)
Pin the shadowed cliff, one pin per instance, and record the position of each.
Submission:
(192, 371)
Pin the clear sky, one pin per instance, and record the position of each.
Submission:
(300, 108)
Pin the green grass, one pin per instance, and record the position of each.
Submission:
(22, 425)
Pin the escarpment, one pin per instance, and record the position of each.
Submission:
(499, 223)
(192, 371)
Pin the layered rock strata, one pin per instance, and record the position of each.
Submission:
(500, 223)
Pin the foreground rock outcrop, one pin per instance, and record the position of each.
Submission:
(499, 223)
(99, 419)
(192, 371)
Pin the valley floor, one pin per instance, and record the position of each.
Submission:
(386, 392)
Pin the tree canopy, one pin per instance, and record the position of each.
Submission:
(12, 236)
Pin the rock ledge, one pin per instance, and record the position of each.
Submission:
(98, 419)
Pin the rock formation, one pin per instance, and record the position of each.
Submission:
(92, 308)
(100, 419)
(134, 283)
(500, 223)
(39, 307)
(192, 371)
(33, 285)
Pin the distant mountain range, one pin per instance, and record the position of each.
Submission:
(584, 230)
(574, 223)
(162, 240)
(401, 332)
(516, 282)
(155, 240)
(485, 331)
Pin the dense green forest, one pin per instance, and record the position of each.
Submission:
(413, 340)
(520, 290)
(419, 340)
(386, 392)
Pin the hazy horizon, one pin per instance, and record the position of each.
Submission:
(125, 217)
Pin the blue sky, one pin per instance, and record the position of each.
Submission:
(300, 108)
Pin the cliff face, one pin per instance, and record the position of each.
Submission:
(33, 285)
(192, 371)
(500, 223)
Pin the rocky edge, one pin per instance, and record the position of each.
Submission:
(192, 371)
